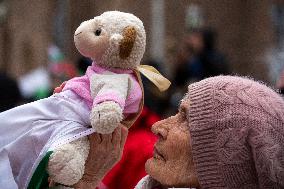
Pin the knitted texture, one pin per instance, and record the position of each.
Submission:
(237, 133)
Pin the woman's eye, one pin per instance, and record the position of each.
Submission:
(98, 32)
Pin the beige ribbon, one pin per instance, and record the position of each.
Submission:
(154, 76)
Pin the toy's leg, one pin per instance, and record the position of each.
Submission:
(67, 163)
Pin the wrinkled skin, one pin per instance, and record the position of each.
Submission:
(172, 163)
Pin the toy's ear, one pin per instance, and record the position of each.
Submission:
(127, 42)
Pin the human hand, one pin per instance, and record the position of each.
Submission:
(60, 88)
(105, 151)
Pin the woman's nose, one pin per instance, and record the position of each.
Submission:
(160, 130)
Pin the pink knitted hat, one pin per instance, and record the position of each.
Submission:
(237, 133)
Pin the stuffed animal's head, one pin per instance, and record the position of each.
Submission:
(113, 39)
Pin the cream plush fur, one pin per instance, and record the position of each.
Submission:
(121, 44)
(106, 51)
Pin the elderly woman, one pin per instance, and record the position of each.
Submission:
(228, 133)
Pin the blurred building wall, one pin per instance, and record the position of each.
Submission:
(245, 32)
(244, 29)
(4, 41)
(27, 35)
(2, 49)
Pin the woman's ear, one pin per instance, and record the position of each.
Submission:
(127, 42)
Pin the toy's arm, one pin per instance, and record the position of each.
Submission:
(112, 87)
(109, 93)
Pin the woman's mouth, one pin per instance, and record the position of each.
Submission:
(157, 155)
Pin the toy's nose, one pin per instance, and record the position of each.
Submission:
(78, 33)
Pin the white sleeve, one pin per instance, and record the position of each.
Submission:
(110, 87)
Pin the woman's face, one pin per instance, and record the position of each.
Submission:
(172, 163)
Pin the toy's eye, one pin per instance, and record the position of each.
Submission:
(98, 32)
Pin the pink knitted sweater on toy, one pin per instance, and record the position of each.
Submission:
(109, 84)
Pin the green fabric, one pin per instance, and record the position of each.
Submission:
(39, 179)
(42, 93)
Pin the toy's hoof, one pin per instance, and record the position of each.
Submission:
(105, 117)
(66, 166)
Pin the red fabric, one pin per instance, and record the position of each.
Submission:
(138, 148)
(63, 69)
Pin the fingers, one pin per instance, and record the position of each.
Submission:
(57, 90)
(116, 137)
(95, 138)
(60, 88)
(124, 133)
(106, 140)
(119, 136)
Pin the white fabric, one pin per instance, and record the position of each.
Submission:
(27, 132)
(146, 183)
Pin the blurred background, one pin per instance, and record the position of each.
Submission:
(187, 40)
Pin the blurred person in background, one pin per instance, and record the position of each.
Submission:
(198, 58)
(59, 73)
(40, 82)
(214, 61)
(189, 67)
(82, 64)
(154, 100)
(60, 69)
(10, 95)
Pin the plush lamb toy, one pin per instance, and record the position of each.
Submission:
(111, 88)
(51, 134)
